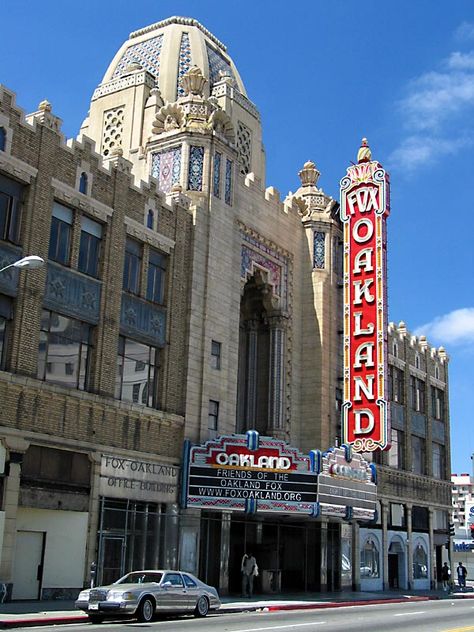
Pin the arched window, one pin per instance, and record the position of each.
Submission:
(83, 183)
(149, 219)
(370, 559)
(420, 562)
(3, 138)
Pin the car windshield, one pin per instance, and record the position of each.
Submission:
(140, 577)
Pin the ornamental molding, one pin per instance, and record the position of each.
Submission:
(65, 193)
(17, 168)
(135, 229)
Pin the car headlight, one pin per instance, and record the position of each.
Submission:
(118, 595)
(83, 595)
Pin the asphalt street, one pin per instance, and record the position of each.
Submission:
(426, 616)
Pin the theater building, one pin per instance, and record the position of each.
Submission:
(215, 309)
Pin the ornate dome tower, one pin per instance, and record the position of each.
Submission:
(151, 93)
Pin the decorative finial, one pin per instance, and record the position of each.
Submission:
(364, 154)
(44, 106)
(309, 175)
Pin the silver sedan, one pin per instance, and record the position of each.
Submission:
(142, 594)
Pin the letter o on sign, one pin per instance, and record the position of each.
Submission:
(360, 239)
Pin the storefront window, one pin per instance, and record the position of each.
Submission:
(420, 563)
(370, 560)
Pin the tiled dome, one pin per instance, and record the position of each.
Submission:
(168, 49)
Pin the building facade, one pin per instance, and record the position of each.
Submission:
(214, 307)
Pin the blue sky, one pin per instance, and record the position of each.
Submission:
(323, 74)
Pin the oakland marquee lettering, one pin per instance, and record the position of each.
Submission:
(364, 209)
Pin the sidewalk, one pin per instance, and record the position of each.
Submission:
(33, 613)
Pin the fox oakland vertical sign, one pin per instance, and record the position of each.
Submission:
(365, 206)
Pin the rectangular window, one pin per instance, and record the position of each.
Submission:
(418, 455)
(215, 355)
(89, 247)
(60, 235)
(64, 350)
(437, 403)
(213, 420)
(395, 454)
(155, 289)
(137, 373)
(10, 210)
(132, 266)
(417, 394)
(438, 461)
(216, 180)
(228, 182)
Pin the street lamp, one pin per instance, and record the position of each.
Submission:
(30, 262)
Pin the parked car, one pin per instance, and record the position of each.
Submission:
(142, 594)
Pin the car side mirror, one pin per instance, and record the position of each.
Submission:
(167, 585)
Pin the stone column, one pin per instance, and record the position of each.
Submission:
(324, 554)
(276, 391)
(409, 547)
(385, 543)
(224, 553)
(251, 385)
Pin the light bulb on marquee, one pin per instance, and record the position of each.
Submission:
(365, 206)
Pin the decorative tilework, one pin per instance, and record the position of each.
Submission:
(228, 182)
(184, 62)
(244, 147)
(196, 161)
(216, 175)
(166, 168)
(147, 54)
(217, 63)
(319, 249)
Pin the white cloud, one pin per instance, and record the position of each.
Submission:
(465, 31)
(456, 327)
(431, 109)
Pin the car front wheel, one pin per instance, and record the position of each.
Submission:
(146, 610)
(202, 607)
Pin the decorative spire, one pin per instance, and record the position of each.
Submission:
(309, 175)
(364, 154)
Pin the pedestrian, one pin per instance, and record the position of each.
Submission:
(445, 576)
(249, 570)
(462, 572)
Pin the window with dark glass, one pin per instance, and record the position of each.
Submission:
(395, 454)
(64, 350)
(10, 210)
(83, 183)
(215, 354)
(417, 394)
(213, 420)
(137, 373)
(155, 289)
(89, 247)
(439, 461)
(60, 235)
(418, 455)
(132, 266)
(396, 384)
(5, 322)
(437, 403)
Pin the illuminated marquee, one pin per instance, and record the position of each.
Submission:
(365, 207)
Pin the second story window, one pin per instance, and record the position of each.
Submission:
(10, 210)
(215, 354)
(132, 266)
(155, 289)
(60, 236)
(64, 350)
(89, 248)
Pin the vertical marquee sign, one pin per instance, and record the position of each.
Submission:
(365, 206)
